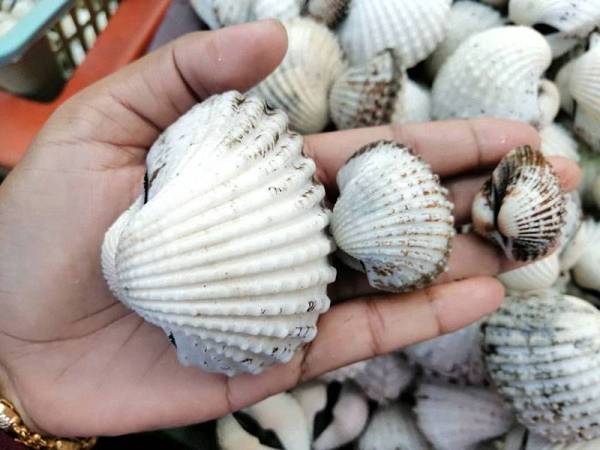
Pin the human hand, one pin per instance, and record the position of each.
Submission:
(77, 362)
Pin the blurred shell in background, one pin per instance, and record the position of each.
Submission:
(330, 12)
(557, 140)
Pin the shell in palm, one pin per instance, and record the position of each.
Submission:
(301, 84)
(413, 104)
(564, 23)
(521, 207)
(466, 18)
(366, 95)
(392, 217)
(460, 417)
(542, 352)
(494, 73)
(557, 140)
(413, 27)
(226, 249)
(330, 12)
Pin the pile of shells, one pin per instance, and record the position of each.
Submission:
(229, 248)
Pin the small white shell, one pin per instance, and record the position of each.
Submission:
(226, 249)
(330, 12)
(564, 22)
(455, 355)
(350, 416)
(557, 140)
(382, 378)
(365, 95)
(521, 208)
(413, 28)
(542, 351)
(280, 414)
(466, 18)
(549, 102)
(540, 274)
(460, 417)
(312, 398)
(494, 73)
(392, 215)
(222, 13)
(413, 104)
(278, 9)
(586, 271)
(392, 427)
(301, 84)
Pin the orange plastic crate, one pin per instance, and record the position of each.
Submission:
(124, 39)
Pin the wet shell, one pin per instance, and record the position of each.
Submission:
(557, 140)
(586, 271)
(392, 217)
(412, 27)
(226, 249)
(301, 84)
(460, 417)
(494, 73)
(279, 9)
(521, 208)
(280, 422)
(365, 95)
(456, 356)
(540, 274)
(330, 12)
(413, 105)
(564, 23)
(466, 19)
(542, 351)
(393, 427)
(382, 378)
(222, 13)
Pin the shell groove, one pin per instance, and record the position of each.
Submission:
(226, 249)
(413, 27)
(366, 95)
(393, 217)
(494, 73)
(541, 351)
(301, 84)
(521, 207)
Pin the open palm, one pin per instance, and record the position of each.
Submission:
(77, 362)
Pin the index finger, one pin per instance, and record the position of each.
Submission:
(450, 147)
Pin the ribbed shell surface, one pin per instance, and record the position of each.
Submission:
(226, 251)
(542, 351)
(493, 73)
(413, 27)
(540, 274)
(392, 215)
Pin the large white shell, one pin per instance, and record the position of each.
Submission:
(586, 271)
(542, 351)
(365, 95)
(392, 215)
(413, 27)
(493, 73)
(557, 140)
(460, 417)
(413, 104)
(382, 378)
(392, 427)
(564, 22)
(301, 84)
(521, 207)
(330, 12)
(455, 355)
(280, 414)
(226, 250)
(540, 274)
(466, 18)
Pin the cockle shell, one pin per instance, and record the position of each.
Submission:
(365, 95)
(563, 22)
(413, 27)
(413, 104)
(456, 356)
(226, 249)
(392, 427)
(382, 378)
(557, 140)
(540, 274)
(494, 73)
(330, 12)
(222, 13)
(301, 84)
(542, 352)
(466, 18)
(586, 271)
(460, 417)
(521, 207)
(279, 423)
(392, 216)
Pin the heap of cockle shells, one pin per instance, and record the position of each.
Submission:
(227, 247)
